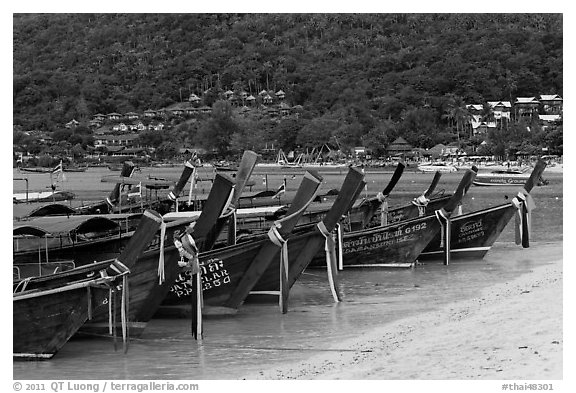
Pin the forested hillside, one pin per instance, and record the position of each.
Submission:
(362, 78)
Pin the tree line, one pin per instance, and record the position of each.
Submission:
(362, 79)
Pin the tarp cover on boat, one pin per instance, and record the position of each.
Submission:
(58, 225)
(53, 209)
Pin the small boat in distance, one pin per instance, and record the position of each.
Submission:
(35, 170)
(42, 196)
(437, 167)
(507, 177)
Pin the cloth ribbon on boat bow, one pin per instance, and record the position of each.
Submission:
(330, 248)
(187, 248)
(123, 271)
(279, 241)
(444, 218)
(421, 202)
(524, 205)
(230, 210)
(383, 199)
(161, 276)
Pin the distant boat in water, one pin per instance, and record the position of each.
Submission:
(75, 169)
(437, 167)
(35, 170)
(505, 178)
(42, 196)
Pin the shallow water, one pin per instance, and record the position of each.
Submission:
(259, 336)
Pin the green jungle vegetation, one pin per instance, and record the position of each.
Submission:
(361, 79)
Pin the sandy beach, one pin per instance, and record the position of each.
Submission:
(511, 331)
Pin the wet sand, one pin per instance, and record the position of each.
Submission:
(512, 330)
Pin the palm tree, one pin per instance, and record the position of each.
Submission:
(456, 112)
(487, 114)
(462, 116)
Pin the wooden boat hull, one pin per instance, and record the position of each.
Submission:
(222, 273)
(397, 244)
(473, 234)
(298, 245)
(38, 336)
(353, 257)
(146, 295)
(47, 311)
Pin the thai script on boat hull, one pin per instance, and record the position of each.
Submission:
(213, 275)
(383, 239)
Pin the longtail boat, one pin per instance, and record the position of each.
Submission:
(399, 243)
(473, 234)
(225, 275)
(155, 271)
(48, 310)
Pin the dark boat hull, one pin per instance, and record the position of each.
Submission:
(371, 239)
(38, 336)
(300, 246)
(146, 294)
(397, 244)
(473, 234)
(222, 273)
(47, 311)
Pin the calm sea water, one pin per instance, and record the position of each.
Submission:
(259, 336)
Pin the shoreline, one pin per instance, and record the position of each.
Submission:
(512, 330)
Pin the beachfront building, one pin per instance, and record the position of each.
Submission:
(400, 147)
